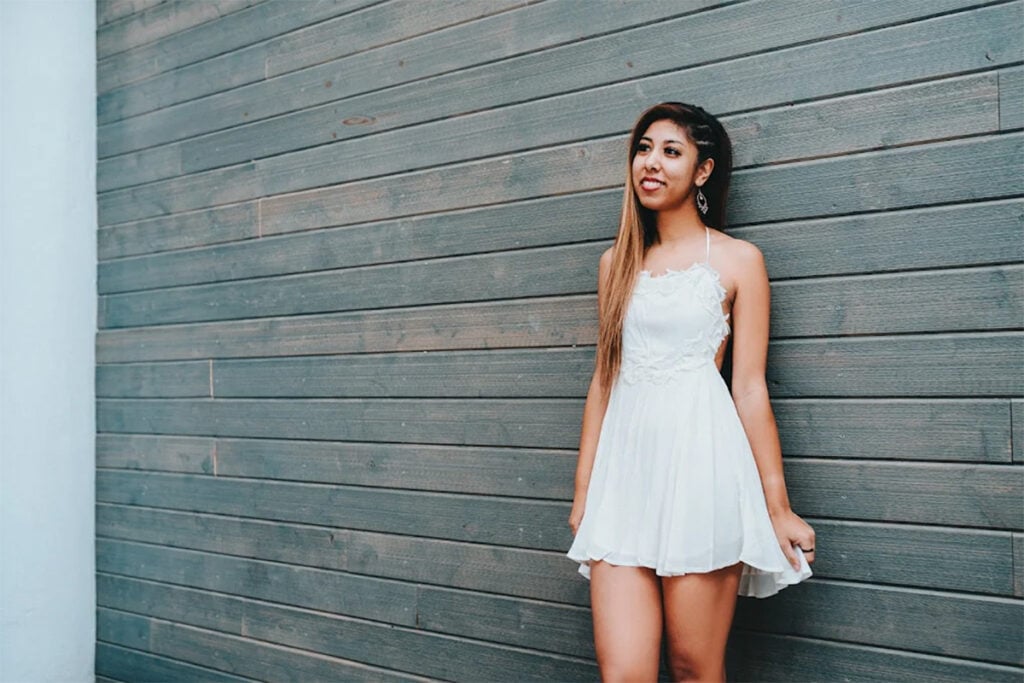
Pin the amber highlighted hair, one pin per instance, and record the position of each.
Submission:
(638, 226)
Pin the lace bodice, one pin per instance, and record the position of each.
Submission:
(674, 323)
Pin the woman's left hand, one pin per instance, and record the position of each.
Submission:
(791, 530)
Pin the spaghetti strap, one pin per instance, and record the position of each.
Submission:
(707, 256)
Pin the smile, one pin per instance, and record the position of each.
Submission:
(650, 184)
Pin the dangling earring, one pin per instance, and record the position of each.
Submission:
(702, 201)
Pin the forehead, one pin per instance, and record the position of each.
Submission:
(665, 129)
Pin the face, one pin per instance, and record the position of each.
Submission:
(665, 171)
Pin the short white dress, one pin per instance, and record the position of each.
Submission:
(674, 485)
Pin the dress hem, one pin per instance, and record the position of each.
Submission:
(758, 580)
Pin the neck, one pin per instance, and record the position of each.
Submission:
(679, 224)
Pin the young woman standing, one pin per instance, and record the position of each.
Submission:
(680, 501)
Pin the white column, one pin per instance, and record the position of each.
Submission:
(47, 339)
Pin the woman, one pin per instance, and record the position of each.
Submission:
(680, 501)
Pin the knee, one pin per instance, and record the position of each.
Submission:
(625, 672)
(685, 666)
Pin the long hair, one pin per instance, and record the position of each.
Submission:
(638, 225)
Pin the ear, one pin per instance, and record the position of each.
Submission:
(704, 171)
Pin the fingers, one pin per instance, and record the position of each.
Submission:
(791, 555)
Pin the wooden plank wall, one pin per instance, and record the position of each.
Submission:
(347, 276)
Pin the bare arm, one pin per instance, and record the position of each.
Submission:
(593, 415)
(750, 315)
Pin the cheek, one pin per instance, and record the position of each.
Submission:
(637, 166)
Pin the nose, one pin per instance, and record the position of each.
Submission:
(652, 161)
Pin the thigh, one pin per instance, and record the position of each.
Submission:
(626, 606)
(699, 610)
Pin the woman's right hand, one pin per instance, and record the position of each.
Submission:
(576, 515)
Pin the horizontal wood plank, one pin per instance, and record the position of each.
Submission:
(986, 496)
(916, 366)
(108, 11)
(325, 66)
(541, 575)
(431, 655)
(233, 223)
(766, 657)
(521, 472)
(969, 106)
(980, 628)
(166, 67)
(561, 321)
(330, 591)
(163, 453)
(943, 494)
(159, 21)
(240, 655)
(719, 41)
(116, 663)
(857, 428)
(962, 626)
(973, 561)
(519, 523)
(900, 240)
(1017, 425)
(1011, 97)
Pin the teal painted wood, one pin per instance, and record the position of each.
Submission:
(206, 45)
(240, 49)
(867, 494)
(890, 303)
(964, 631)
(759, 656)
(339, 592)
(416, 651)
(890, 614)
(849, 427)
(279, 174)
(1011, 98)
(108, 11)
(241, 655)
(1017, 436)
(712, 36)
(165, 380)
(539, 575)
(116, 663)
(1018, 565)
(887, 366)
(556, 321)
(941, 109)
(341, 367)
(952, 559)
(932, 237)
(521, 472)
(892, 179)
(225, 224)
(167, 453)
(160, 21)
(493, 39)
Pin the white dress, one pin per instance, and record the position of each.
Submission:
(674, 485)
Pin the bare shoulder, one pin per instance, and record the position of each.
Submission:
(741, 263)
(737, 255)
(604, 266)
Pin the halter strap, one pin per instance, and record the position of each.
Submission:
(707, 233)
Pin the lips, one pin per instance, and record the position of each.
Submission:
(651, 184)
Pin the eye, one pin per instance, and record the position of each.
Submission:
(643, 147)
(672, 151)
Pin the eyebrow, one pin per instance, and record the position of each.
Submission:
(678, 142)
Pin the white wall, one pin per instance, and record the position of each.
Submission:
(47, 338)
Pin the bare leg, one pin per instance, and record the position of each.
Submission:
(699, 609)
(626, 606)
